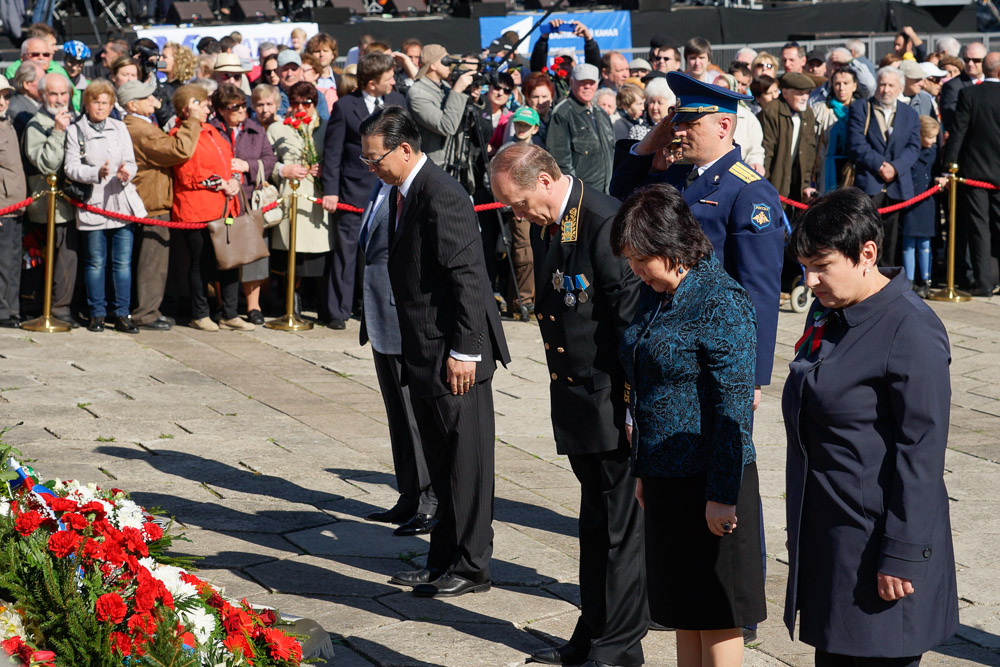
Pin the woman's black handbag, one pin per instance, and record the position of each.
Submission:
(75, 189)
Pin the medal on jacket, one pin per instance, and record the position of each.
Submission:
(569, 299)
(813, 336)
(557, 280)
(582, 284)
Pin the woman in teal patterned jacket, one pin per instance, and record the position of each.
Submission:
(689, 356)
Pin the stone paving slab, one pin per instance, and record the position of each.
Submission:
(270, 447)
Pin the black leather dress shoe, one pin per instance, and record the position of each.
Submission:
(413, 577)
(420, 524)
(10, 323)
(255, 317)
(979, 291)
(126, 325)
(567, 654)
(450, 585)
(159, 324)
(398, 514)
(337, 323)
(96, 324)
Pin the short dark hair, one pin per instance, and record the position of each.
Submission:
(208, 45)
(799, 49)
(372, 66)
(741, 67)
(761, 85)
(655, 221)
(395, 125)
(226, 94)
(227, 43)
(843, 220)
(303, 90)
(697, 46)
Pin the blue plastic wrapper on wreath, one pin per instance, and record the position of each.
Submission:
(612, 30)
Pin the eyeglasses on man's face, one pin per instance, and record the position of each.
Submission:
(376, 161)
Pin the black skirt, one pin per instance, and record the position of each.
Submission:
(698, 581)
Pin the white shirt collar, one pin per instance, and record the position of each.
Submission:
(705, 167)
(370, 100)
(405, 187)
(137, 115)
(565, 201)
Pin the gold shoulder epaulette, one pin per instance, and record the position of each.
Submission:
(744, 173)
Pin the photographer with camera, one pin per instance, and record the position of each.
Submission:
(437, 105)
(147, 54)
(540, 53)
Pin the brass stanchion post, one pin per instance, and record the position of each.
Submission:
(949, 293)
(289, 321)
(46, 322)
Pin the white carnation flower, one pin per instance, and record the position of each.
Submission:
(10, 622)
(127, 515)
(199, 622)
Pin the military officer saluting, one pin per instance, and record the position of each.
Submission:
(738, 210)
(584, 299)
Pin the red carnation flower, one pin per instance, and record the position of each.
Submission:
(558, 60)
(28, 523)
(134, 541)
(60, 504)
(153, 531)
(296, 123)
(74, 520)
(111, 607)
(121, 643)
(95, 508)
(64, 543)
(562, 73)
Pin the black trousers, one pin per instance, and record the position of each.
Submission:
(824, 659)
(977, 232)
(614, 616)
(203, 268)
(890, 231)
(343, 265)
(10, 266)
(457, 433)
(413, 479)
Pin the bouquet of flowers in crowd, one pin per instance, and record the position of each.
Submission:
(558, 68)
(84, 582)
(302, 122)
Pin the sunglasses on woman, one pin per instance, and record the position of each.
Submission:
(236, 107)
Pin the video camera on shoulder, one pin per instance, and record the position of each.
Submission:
(147, 54)
(488, 69)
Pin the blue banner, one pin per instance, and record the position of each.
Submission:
(612, 30)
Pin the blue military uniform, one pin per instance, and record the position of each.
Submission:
(739, 211)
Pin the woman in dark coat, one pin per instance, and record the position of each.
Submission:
(866, 405)
(253, 158)
(689, 356)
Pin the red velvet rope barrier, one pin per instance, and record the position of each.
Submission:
(172, 224)
(980, 184)
(16, 207)
(893, 208)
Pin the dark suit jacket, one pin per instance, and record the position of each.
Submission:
(581, 341)
(866, 418)
(974, 142)
(870, 150)
(949, 99)
(443, 296)
(344, 174)
(379, 323)
(740, 214)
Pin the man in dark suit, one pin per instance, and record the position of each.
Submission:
(584, 299)
(451, 341)
(973, 74)
(417, 505)
(974, 145)
(346, 180)
(883, 139)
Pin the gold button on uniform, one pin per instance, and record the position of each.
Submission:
(552, 317)
(539, 316)
(547, 346)
(555, 377)
(560, 350)
(569, 379)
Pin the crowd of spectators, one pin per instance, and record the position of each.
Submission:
(184, 132)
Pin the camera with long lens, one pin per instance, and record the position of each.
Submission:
(487, 69)
(148, 58)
